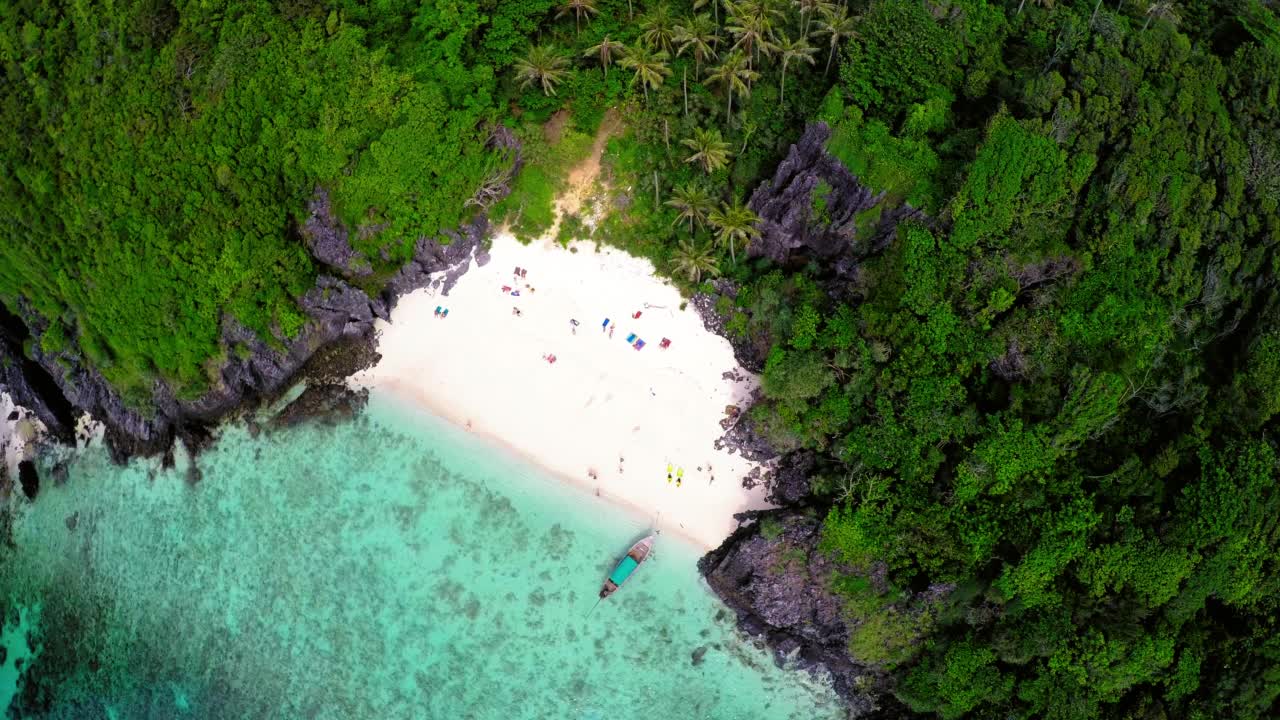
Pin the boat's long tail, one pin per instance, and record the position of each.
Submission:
(593, 607)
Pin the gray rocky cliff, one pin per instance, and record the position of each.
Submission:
(771, 571)
(772, 574)
(56, 386)
(808, 178)
(28, 382)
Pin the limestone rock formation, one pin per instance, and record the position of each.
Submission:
(58, 385)
(774, 577)
(811, 177)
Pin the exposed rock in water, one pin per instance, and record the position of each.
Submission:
(698, 655)
(325, 403)
(54, 384)
(811, 177)
(773, 576)
(29, 479)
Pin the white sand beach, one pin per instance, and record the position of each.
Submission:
(603, 408)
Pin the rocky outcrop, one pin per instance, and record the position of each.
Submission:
(28, 383)
(55, 385)
(810, 208)
(750, 353)
(771, 573)
(741, 438)
(325, 403)
(792, 478)
(327, 238)
(326, 398)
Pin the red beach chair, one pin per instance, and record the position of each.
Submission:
(664, 344)
(636, 316)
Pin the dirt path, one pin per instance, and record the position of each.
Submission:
(582, 178)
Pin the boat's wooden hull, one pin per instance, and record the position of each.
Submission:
(627, 566)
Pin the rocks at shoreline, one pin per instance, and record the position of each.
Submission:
(742, 438)
(28, 383)
(58, 385)
(326, 403)
(771, 573)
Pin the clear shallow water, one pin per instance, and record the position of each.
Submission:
(391, 567)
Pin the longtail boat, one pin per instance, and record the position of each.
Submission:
(636, 555)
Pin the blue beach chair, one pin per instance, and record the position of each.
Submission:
(631, 338)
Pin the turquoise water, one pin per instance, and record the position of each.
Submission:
(389, 567)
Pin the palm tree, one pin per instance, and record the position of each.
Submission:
(1164, 11)
(543, 65)
(734, 74)
(693, 203)
(651, 68)
(798, 49)
(754, 34)
(694, 261)
(807, 10)
(657, 29)
(709, 150)
(578, 8)
(734, 222)
(1041, 3)
(697, 35)
(605, 51)
(715, 9)
(838, 26)
(763, 9)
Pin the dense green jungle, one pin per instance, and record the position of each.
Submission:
(1055, 392)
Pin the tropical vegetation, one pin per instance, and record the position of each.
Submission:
(1042, 412)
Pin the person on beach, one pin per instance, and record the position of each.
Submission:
(611, 332)
(573, 326)
(668, 472)
(679, 476)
